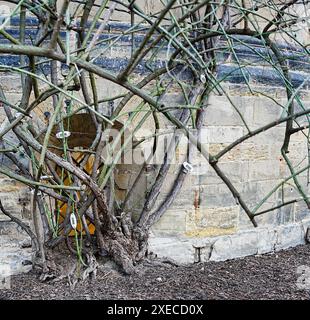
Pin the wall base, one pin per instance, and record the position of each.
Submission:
(244, 243)
(182, 249)
(13, 253)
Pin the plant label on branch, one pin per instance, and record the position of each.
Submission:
(73, 221)
(203, 78)
(46, 177)
(187, 167)
(63, 134)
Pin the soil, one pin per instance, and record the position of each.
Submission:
(269, 276)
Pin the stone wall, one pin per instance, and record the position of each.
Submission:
(205, 222)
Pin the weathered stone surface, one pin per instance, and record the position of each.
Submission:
(9, 185)
(298, 152)
(264, 170)
(271, 137)
(265, 110)
(16, 201)
(182, 201)
(167, 186)
(174, 221)
(236, 171)
(210, 222)
(178, 249)
(268, 219)
(258, 241)
(254, 191)
(289, 236)
(10, 228)
(287, 214)
(234, 246)
(221, 134)
(216, 195)
(301, 212)
(12, 255)
(245, 242)
(244, 151)
(266, 239)
(221, 112)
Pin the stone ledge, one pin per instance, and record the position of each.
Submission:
(7, 227)
(244, 243)
(12, 255)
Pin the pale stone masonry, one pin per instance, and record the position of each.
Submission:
(205, 222)
(217, 229)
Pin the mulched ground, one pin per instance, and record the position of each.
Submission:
(269, 276)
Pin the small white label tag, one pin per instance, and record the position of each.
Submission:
(73, 221)
(203, 78)
(187, 167)
(62, 135)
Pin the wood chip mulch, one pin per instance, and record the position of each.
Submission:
(270, 276)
